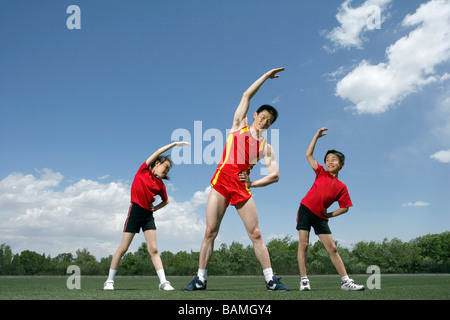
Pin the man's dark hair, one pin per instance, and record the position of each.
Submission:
(339, 154)
(269, 109)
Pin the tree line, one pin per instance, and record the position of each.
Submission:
(425, 254)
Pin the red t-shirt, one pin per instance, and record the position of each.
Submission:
(146, 186)
(325, 191)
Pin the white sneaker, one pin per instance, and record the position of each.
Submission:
(351, 285)
(108, 285)
(304, 285)
(165, 286)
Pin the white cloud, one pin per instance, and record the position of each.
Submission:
(355, 22)
(37, 214)
(440, 120)
(442, 156)
(276, 99)
(334, 75)
(411, 62)
(180, 219)
(416, 204)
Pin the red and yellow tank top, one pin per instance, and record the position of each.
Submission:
(241, 153)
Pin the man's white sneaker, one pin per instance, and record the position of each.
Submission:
(108, 285)
(304, 285)
(165, 286)
(351, 285)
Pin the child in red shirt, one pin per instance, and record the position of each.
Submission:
(146, 185)
(326, 190)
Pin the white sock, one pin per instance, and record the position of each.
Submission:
(344, 278)
(268, 274)
(111, 275)
(161, 275)
(202, 274)
(304, 279)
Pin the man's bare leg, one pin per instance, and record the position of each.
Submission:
(247, 212)
(215, 210)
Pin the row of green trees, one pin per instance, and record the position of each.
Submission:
(429, 253)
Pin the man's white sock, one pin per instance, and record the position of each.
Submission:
(202, 274)
(268, 274)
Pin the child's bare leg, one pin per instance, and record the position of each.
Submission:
(327, 240)
(303, 237)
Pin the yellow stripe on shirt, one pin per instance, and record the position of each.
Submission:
(227, 154)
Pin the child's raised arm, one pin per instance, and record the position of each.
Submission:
(312, 145)
(161, 150)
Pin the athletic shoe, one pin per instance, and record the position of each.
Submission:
(165, 286)
(196, 284)
(304, 285)
(108, 285)
(351, 285)
(275, 284)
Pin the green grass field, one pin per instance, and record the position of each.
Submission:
(393, 287)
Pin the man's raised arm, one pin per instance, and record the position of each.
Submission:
(242, 109)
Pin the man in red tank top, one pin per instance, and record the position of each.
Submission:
(244, 147)
(242, 151)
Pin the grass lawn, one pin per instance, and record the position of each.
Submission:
(393, 287)
(225, 298)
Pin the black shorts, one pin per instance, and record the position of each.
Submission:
(139, 218)
(306, 219)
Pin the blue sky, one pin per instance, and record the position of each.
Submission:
(81, 109)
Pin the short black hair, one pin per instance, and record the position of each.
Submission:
(269, 109)
(338, 153)
(162, 159)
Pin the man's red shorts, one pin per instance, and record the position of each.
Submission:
(231, 188)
